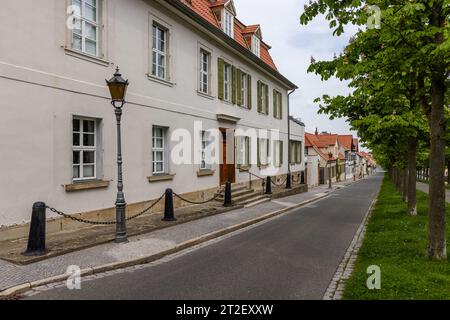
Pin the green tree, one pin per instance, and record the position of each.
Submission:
(411, 51)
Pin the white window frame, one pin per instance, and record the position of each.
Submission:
(264, 95)
(227, 79)
(244, 89)
(256, 46)
(278, 102)
(156, 150)
(276, 157)
(83, 21)
(205, 152)
(228, 23)
(203, 72)
(264, 151)
(156, 53)
(81, 149)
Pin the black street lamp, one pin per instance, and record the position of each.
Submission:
(118, 88)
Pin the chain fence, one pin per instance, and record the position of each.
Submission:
(216, 196)
(104, 223)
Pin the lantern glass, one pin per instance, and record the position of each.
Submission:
(117, 86)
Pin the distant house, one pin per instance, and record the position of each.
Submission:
(349, 147)
(326, 147)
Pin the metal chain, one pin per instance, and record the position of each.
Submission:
(281, 184)
(105, 223)
(147, 209)
(193, 202)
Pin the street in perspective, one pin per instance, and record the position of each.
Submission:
(206, 151)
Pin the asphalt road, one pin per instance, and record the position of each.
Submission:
(291, 257)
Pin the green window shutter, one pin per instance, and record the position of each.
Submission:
(281, 105)
(260, 107)
(239, 151)
(220, 82)
(233, 85)
(300, 146)
(249, 91)
(249, 154)
(267, 99)
(275, 95)
(238, 86)
(258, 151)
(281, 152)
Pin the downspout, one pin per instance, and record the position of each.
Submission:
(289, 130)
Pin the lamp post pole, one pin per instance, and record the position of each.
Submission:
(121, 232)
(118, 87)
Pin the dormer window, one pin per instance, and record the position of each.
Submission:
(256, 46)
(228, 23)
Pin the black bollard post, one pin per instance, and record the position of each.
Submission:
(36, 238)
(269, 185)
(169, 214)
(289, 181)
(228, 200)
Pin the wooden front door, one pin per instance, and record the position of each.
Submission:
(227, 167)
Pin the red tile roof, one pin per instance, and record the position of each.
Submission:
(204, 9)
(346, 141)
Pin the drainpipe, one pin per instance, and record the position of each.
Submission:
(289, 130)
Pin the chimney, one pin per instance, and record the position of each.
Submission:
(317, 132)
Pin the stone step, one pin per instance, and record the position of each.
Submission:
(237, 193)
(246, 197)
(255, 201)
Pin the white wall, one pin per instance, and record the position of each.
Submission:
(42, 87)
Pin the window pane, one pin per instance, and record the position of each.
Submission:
(76, 139)
(88, 140)
(90, 12)
(88, 171)
(91, 47)
(158, 132)
(76, 125)
(158, 156)
(76, 172)
(159, 167)
(76, 157)
(91, 31)
(91, 2)
(76, 3)
(76, 42)
(162, 37)
(88, 126)
(88, 157)
(77, 26)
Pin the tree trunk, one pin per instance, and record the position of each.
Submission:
(405, 184)
(437, 247)
(448, 172)
(412, 157)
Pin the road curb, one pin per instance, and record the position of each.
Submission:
(15, 290)
(336, 287)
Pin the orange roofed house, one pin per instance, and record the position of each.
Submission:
(327, 150)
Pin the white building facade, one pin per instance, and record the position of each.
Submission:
(187, 76)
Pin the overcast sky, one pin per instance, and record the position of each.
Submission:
(292, 47)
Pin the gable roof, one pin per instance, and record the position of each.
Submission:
(346, 141)
(204, 9)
